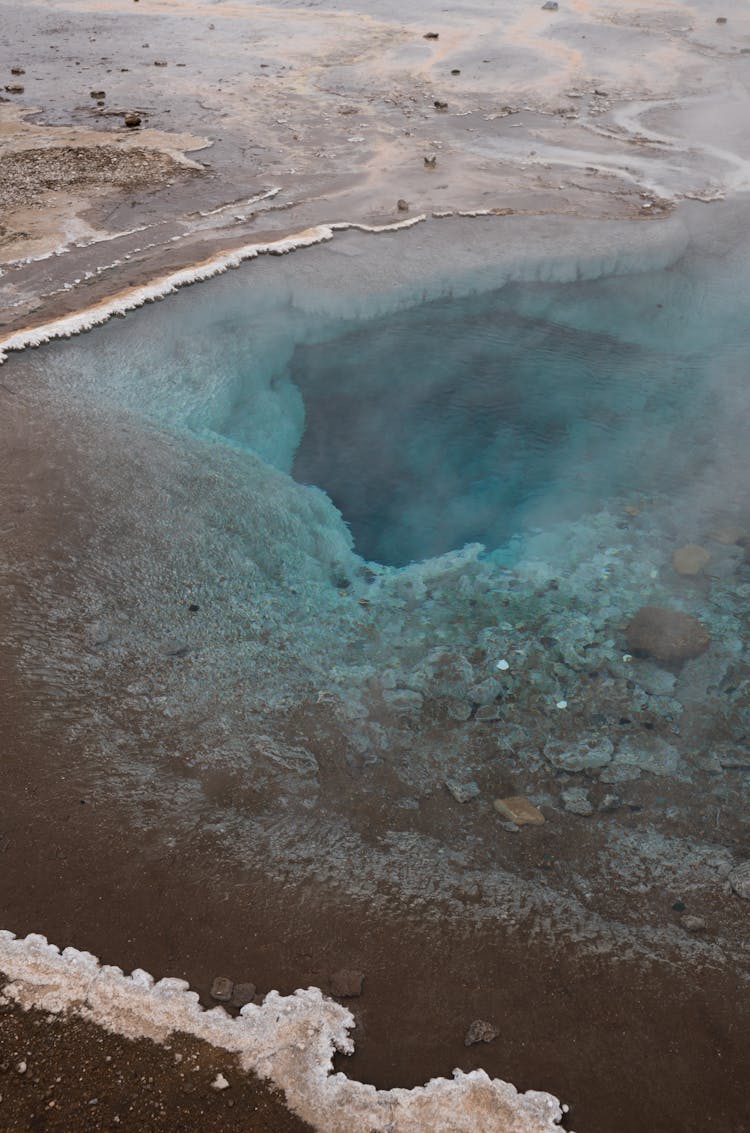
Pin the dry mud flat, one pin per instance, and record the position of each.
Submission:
(107, 733)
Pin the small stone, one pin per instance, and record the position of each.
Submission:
(503, 666)
(402, 205)
(220, 1083)
(632, 509)
(739, 879)
(242, 994)
(430, 162)
(160, 62)
(17, 71)
(550, 6)
(690, 559)
(668, 635)
(519, 810)
(221, 989)
(98, 634)
(481, 1032)
(21, 1067)
(346, 984)
(132, 119)
(97, 94)
(692, 924)
(610, 803)
(431, 35)
(439, 104)
(14, 88)
(721, 19)
(456, 71)
(577, 801)
(462, 792)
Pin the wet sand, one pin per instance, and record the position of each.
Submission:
(590, 1030)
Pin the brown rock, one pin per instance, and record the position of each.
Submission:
(132, 119)
(666, 635)
(481, 1032)
(402, 205)
(519, 810)
(346, 984)
(14, 88)
(439, 104)
(431, 35)
(690, 559)
(97, 94)
(17, 71)
(430, 162)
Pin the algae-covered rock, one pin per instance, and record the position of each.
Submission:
(667, 635)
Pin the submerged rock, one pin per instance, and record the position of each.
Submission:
(690, 559)
(585, 755)
(462, 792)
(739, 879)
(667, 635)
(346, 984)
(481, 1031)
(519, 811)
(577, 801)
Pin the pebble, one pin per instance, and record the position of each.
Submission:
(550, 6)
(402, 205)
(692, 924)
(346, 984)
(221, 989)
(21, 1067)
(587, 754)
(132, 119)
(462, 792)
(481, 1032)
(220, 1083)
(519, 810)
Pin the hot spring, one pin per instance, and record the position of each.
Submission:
(341, 549)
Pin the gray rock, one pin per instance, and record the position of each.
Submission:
(242, 993)
(651, 754)
(550, 6)
(739, 879)
(462, 792)
(586, 754)
(481, 1032)
(610, 802)
(404, 700)
(577, 801)
(221, 989)
(488, 712)
(692, 924)
(484, 692)
(174, 647)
